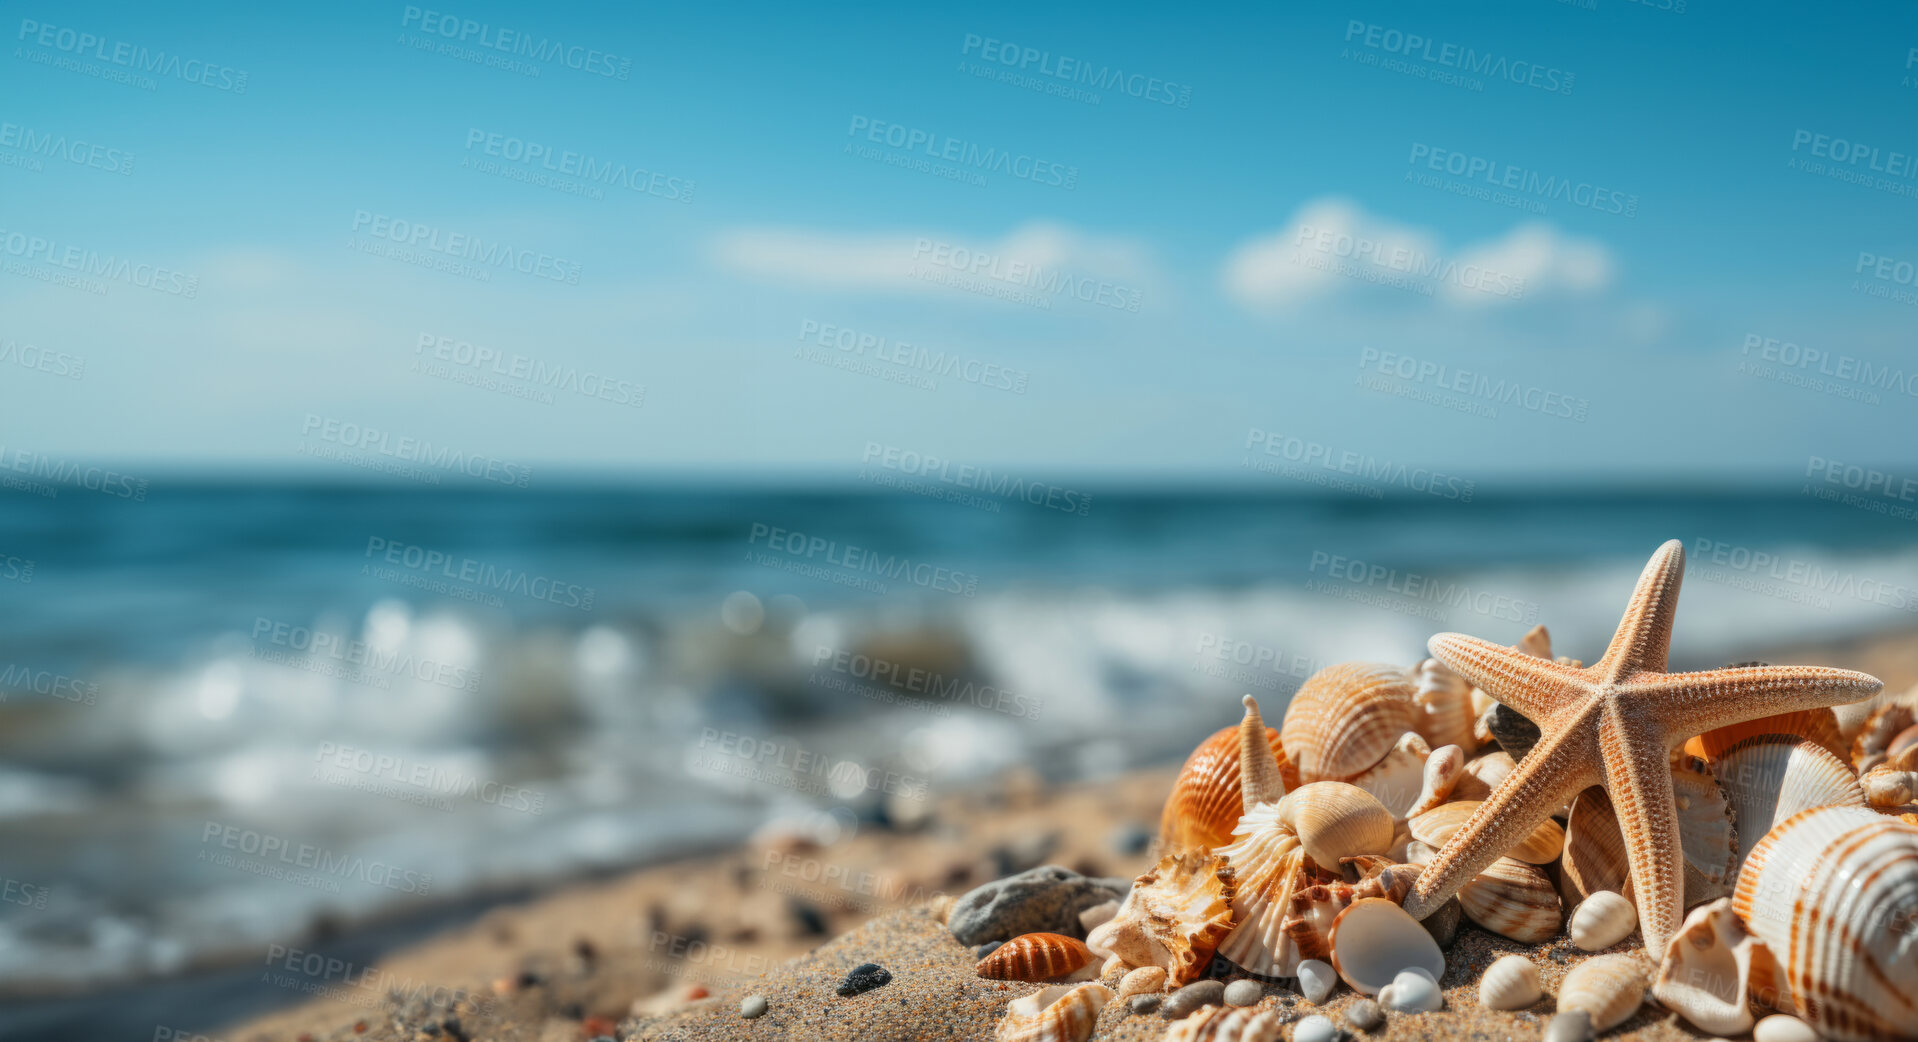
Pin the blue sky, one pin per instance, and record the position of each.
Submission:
(773, 212)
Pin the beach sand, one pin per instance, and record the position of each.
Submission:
(787, 921)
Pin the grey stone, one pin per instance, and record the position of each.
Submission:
(1047, 899)
(1443, 923)
(986, 949)
(1364, 1015)
(1516, 735)
(752, 1007)
(1145, 1003)
(1572, 1026)
(1189, 999)
(1243, 993)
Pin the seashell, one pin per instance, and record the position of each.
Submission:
(1206, 800)
(1092, 918)
(1833, 893)
(1852, 718)
(1420, 854)
(1510, 983)
(1057, 1014)
(1436, 827)
(1782, 1028)
(1873, 742)
(1374, 940)
(1145, 980)
(1513, 899)
(1035, 957)
(1906, 739)
(1609, 988)
(1482, 775)
(1269, 865)
(1594, 858)
(1443, 769)
(1226, 1024)
(1397, 780)
(1335, 821)
(1768, 778)
(1707, 972)
(1443, 701)
(1390, 880)
(1412, 991)
(1537, 642)
(1815, 725)
(1888, 788)
(1317, 978)
(1706, 833)
(1345, 718)
(1602, 920)
(1174, 917)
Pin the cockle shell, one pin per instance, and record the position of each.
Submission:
(1513, 899)
(1833, 893)
(1174, 917)
(1035, 957)
(1609, 988)
(1814, 725)
(1269, 865)
(1374, 940)
(1602, 920)
(1594, 858)
(1397, 780)
(1436, 827)
(1335, 821)
(1510, 983)
(1145, 980)
(1345, 718)
(1206, 801)
(1768, 778)
(1711, 969)
(1060, 1013)
(1443, 700)
(1227, 1024)
(1706, 832)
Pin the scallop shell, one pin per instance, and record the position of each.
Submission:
(1226, 1024)
(1443, 700)
(1174, 917)
(1609, 988)
(1206, 800)
(1345, 718)
(1270, 865)
(1816, 725)
(1145, 980)
(1706, 832)
(1056, 1014)
(1374, 940)
(1335, 821)
(1709, 970)
(1833, 893)
(1035, 957)
(1595, 857)
(1513, 899)
(1883, 727)
(1510, 983)
(1397, 780)
(1602, 920)
(1437, 826)
(1768, 778)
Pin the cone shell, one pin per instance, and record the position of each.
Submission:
(1706, 832)
(1609, 988)
(1035, 957)
(1510, 983)
(1335, 821)
(1397, 780)
(1443, 701)
(1227, 1024)
(1345, 718)
(1595, 857)
(1709, 970)
(1269, 865)
(1174, 917)
(1437, 826)
(1513, 899)
(1769, 778)
(1206, 800)
(1056, 1014)
(1815, 725)
(1602, 920)
(1374, 940)
(1833, 893)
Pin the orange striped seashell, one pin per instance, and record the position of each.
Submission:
(1206, 800)
(1818, 725)
(1513, 899)
(1437, 826)
(1036, 957)
(1345, 718)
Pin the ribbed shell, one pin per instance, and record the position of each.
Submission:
(1205, 802)
(1817, 725)
(1056, 1014)
(1345, 718)
(1768, 778)
(1335, 821)
(1269, 865)
(1035, 957)
(1437, 826)
(1602, 920)
(1595, 857)
(1374, 940)
(1608, 987)
(1174, 916)
(1706, 832)
(1397, 780)
(1224, 1024)
(1833, 892)
(1513, 899)
(1510, 983)
(1444, 703)
(1145, 980)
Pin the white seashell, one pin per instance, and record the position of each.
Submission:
(1708, 968)
(1397, 780)
(1608, 988)
(1602, 920)
(1510, 983)
(1412, 991)
(1443, 701)
(1888, 788)
(1437, 826)
(1482, 775)
(1227, 1024)
(1833, 893)
(1707, 835)
(1374, 940)
(1419, 853)
(1513, 899)
(1060, 1013)
(1315, 1028)
(1098, 915)
(1780, 1027)
(1345, 718)
(1594, 858)
(1442, 771)
(1317, 978)
(1335, 821)
(1269, 866)
(1768, 778)
(1145, 980)
(1174, 916)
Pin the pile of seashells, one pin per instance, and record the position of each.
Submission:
(1287, 853)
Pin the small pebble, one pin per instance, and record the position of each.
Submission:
(1187, 1000)
(1316, 980)
(1243, 993)
(1146, 1003)
(864, 978)
(752, 1007)
(1412, 991)
(1365, 1015)
(1571, 1026)
(1780, 1027)
(1315, 1029)
(986, 949)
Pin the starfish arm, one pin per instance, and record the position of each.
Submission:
(1533, 686)
(1638, 778)
(1544, 782)
(1644, 636)
(1687, 704)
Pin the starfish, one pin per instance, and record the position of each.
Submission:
(1614, 724)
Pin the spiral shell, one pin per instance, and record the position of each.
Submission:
(1206, 800)
(1374, 940)
(1345, 718)
(1174, 917)
(1227, 1024)
(1510, 983)
(1056, 1014)
(1513, 899)
(1768, 778)
(1706, 832)
(1594, 858)
(1602, 920)
(1335, 821)
(1035, 957)
(1833, 893)
(1608, 988)
(1814, 725)
(1437, 826)
(1443, 701)
(1711, 969)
